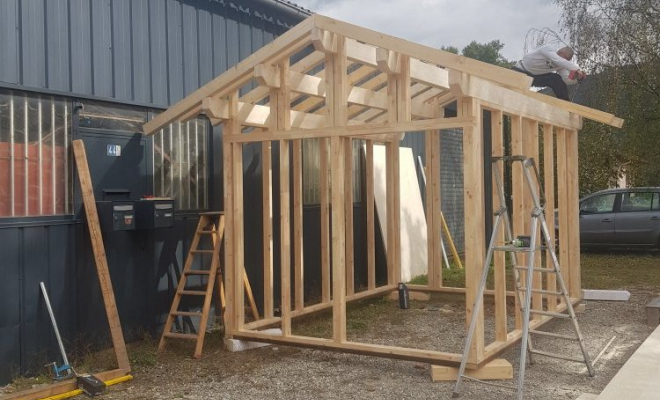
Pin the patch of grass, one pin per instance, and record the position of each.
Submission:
(620, 270)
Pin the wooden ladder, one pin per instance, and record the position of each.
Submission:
(213, 224)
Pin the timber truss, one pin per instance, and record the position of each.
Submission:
(334, 82)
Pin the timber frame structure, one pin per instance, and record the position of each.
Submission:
(336, 83)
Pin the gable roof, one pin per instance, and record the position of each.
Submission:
(437, 77)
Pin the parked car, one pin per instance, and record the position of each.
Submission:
(620, 217)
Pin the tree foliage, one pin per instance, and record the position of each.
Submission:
(618, 42)
(487, 52)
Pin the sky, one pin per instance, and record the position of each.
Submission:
(456, 23)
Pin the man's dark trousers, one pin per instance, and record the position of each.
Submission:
(551, 80)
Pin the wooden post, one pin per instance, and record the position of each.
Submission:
(564, 204)
(100, 259)
(433, 229)
(234, 128)
(575, 286)
(531, 134)
(325, 218)
(348, 211)
(229, 128)
(298, 267)
(371, 220)
(267, 209)
(499, 258)
(283, 107)
(519, 215)
(549, 178)
(336, 65)
(475, 244)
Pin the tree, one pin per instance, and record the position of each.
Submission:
(487, 52)
(618, 42)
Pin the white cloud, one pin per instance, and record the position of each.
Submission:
(444, 22)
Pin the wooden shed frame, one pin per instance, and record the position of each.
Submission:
(338, 82)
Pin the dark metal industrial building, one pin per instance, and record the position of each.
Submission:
(96, 70)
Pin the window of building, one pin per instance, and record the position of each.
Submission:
(35, 135)
(181, 163)
(312, 166)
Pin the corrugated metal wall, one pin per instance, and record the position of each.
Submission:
(146, 52)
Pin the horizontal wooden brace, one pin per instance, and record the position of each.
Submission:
(421, 72)
(355, 130)
(402, 353)
(259, 116)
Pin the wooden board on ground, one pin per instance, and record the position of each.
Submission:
(498, 369)
(414, 254)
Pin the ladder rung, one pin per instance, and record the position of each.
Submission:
(202, 251)
(515, 249)
(549, 313)
(539, 291)
(176, 335)
(187, 313)
(554, 335)
(197, 272)
(192, 293)
(536, 269)
(558, 356)
(205, 232)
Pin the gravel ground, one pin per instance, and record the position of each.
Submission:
(278, 372)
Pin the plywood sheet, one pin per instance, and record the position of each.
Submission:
(414, 261)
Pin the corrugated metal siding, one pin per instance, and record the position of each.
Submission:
(147, 52)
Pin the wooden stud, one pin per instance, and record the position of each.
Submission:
(473, 157)
(549, 178)
(564, 204)
(519, 214)
(432, 236)
(499, 258)
(325, 219)
(336, 77)
(371, 220)
(573, 197)
(298, 264)
(100, 259)
(267, 209)
(348, 212)
(531, 144)
(283, 106)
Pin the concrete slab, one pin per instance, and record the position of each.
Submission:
(606, 295)
(587, 396)
(653, 312)
(638, 378)
(235, 345)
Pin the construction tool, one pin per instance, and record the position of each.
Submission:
(538, 218)
(211, 224)
(63, 371)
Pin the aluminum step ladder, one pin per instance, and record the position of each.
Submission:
(211, 224)
(512, 247)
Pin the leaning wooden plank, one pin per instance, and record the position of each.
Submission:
(289, 42)
(354, 130)
(499, 369)
(100, 259)
(442, 58)
(60, 387)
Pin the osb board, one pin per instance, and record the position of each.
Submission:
(414, 261)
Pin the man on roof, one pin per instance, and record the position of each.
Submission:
(551, 68)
